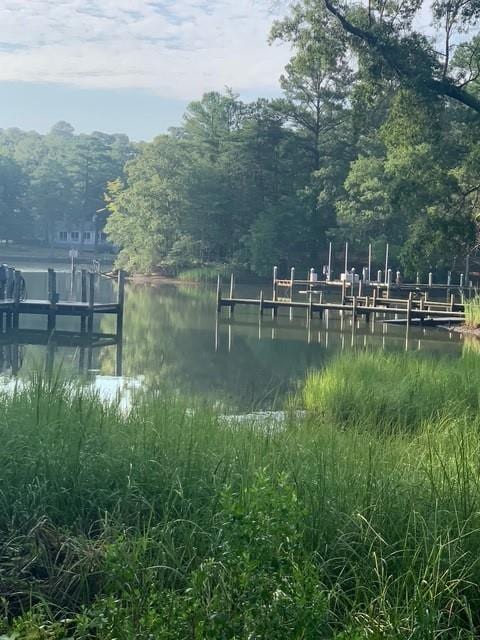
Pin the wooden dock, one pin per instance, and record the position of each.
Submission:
(13, 303)
(358, 299)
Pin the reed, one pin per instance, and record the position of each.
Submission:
(393, 391)
(472, 312)
(164, 523)
(203, 274)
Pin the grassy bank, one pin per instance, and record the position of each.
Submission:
(166, 524)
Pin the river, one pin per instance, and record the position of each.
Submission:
(174, 340)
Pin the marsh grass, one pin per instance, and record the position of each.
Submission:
(394, 391)
(204, 274)
(163, 523)
(472, 312)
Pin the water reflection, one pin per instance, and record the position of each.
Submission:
(174, 339)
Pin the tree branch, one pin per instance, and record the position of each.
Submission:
(443, 87)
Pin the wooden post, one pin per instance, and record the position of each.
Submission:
(310, 303)
(452, 302)
(292, 281)
(367, 313)
(274, 291)
(320, 302)
(9, 294)
(430, 279)
(346, 258)
(84, 300)
(343, 291)
(53, 299)
(219, 294)
(386, 262)
(232, 289)
(418, 277)
(354, 308)
(409, 308)
(329, 272)
(389, 281)
(360, 288)
(17, 287)
(120, 302)
(369, 262)
(260, 304)
(10, 282)
(91, 300)
(379, 275)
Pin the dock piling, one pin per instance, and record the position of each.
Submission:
(274, 291)
(52, 299)
(232, 289)
(83, 295)
(369, 262)
(386, 261)
(219, 294)
(17, 287)
(329, 271)
(120, 302)
(91, 300)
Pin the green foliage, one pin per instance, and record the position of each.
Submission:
(55, 178)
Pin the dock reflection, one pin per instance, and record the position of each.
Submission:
(13, 342)
(335, 330)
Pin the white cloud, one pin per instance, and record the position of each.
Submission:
(177, 49)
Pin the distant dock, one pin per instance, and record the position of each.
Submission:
(412, 302)
(14, 304)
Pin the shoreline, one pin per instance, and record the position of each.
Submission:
(467, 331)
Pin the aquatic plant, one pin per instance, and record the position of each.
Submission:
(472, 312)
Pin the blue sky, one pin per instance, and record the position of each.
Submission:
(130, 65)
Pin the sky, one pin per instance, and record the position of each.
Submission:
(130, 66)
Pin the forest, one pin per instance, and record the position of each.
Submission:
(57, 178)
(375, 138)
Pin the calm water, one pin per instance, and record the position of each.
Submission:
(174, 339)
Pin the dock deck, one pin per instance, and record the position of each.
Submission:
(373, 298)
(13, 304)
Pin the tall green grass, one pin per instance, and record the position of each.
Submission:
(394, 391)
(204, 274)
(165, 523)
(472, 312)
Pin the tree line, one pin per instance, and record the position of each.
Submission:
(376, 138)
(56, 179)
